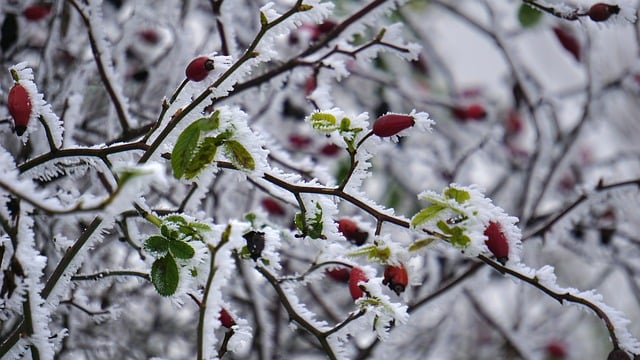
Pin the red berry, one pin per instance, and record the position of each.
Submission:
(356, 276)
(326, 26)
(352, 232)
(199, 68)
(340, 274)
(513, 123)
(568, 41)
(150, 36)
(602, 11)
(272, 206)
(299, 141)
(310, 85)
(473, 112)
(497, 242)
(225, 318)
(395, 276)
(19, 105)
(556, 350)
(36, 12)
(330, 149)
(391, 124)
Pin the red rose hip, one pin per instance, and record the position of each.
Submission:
(602, 11)
(36, 12)
(391, 124)
(225, 318)
(357, 275)
(395, 276)
(352, 232)
(497, 242)
(340, 274)
(568, 41)
(272, 206)
(199, 68)
(20, 108)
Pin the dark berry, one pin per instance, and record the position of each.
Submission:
(391, 124)
(199, 68)
(497, 242)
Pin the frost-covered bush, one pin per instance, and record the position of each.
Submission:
(301, 179)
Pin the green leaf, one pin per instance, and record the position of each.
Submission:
(298, 220)
(200, 227)
(458, 195)
(324, 122)
(181, 249)
(183, 150)
(157, 245)
(211, 123)
(203, 157)
(345, 123)
(528, 16)
(314, 225)
(176, 219)
(426, 214)
(164, 275)
(239, 155)
(419, 244)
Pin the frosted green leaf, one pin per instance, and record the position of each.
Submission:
(324, 122)
(239, 155)
(157, 245)
(426, 214)
(181, 249)
(183, 150)
(210, 123)
(202, 157)
(458, 195)
(164, 275)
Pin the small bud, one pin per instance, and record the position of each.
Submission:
(352, 232)
(602, 11)
(272, 206)
(36, 12)
(340, 274)
(199, 68)
(225, 318)
(391, 124)
(497, 242)
(395, 276)
(618, 354)
(20, 108)
(356, 276)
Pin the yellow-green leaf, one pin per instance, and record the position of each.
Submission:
(426, 214)
(239, 155)
(203, 157)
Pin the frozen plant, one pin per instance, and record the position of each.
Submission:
(303, 179)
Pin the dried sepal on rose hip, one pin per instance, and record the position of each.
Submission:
(199, 68)
(356, 276)
(20, 108)
(497, 242)
(226, 319)
(352, 232)
(396, 277)
(602, 12)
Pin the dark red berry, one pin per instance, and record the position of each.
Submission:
(391, 124)
(556, 350)
(255, 244)
(150, 36)
(513, 123)
(395, 276)
(272, 206)
(36, 12)
(568, 41)
(330, 149)
(356, 276)
(20, 108)
(352, 232)
(470, 112)
(310, 85)
(326, 26)
(340, 274)
(199, 68)
(225, 318)
(299, 141)
(602, 11)
(497, 242)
